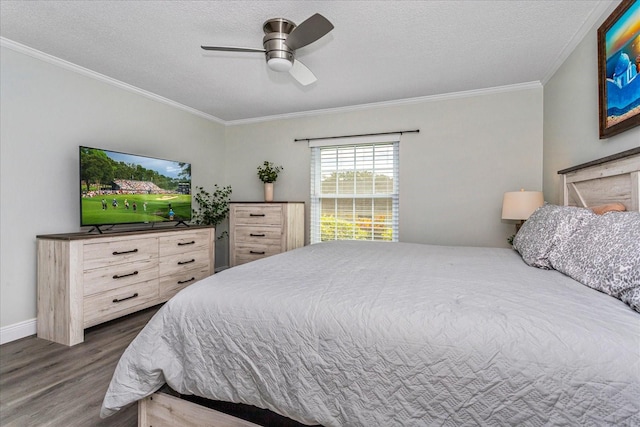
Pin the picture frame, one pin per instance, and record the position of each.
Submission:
(619, 70)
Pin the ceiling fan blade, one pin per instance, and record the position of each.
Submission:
(233, 49)
(302, 74)
(308, 31)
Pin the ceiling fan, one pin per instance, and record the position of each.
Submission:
(282, 38)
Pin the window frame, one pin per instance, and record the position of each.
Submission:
(316, 196)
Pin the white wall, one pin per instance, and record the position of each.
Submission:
(470, 150)
(571, 117)
(48, 111)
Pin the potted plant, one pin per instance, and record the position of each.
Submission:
(213, 208)
(268, 173)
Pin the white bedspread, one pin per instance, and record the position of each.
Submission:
(394, 334)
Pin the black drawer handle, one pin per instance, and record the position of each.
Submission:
(257, 235)
(193, 242)
(124, 299)
(186, 262)
(257, 252)
(180, 282)
(256, 214)
(115, 276)
(133, 251)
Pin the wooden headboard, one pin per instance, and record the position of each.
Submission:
(611, 179)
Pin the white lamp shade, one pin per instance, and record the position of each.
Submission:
(519, 205)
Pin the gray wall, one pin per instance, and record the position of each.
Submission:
(571, 117)
(453, 174)
(470, 150)
(47, 111)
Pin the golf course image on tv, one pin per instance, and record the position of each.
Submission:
(121, 188)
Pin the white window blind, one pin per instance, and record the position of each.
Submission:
(354, 190)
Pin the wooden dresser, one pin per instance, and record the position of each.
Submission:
(87, 279)
(258, 230)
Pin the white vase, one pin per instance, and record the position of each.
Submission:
(268, 191)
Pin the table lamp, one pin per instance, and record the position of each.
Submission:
(519, 205)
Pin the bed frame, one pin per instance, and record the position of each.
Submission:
(164, 410)
(610, 179)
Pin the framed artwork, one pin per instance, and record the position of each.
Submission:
(619, 69)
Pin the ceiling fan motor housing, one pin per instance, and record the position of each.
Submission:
(279, 56)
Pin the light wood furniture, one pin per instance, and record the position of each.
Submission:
(258, 230)
(164, 410)
(87, 279)
(611, 179)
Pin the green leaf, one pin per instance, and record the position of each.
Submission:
(268, 172)
(212, 208)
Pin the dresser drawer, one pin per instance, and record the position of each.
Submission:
(257, 214)
(170, 285)
(117, 276)
(170, 266)
(251, 252)
(243, 258)
(259, 235)
(118, 251)
(184, 241)
(118, 302)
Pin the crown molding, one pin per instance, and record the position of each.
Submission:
(10, 44)
(406, 101)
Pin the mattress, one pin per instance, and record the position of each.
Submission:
(394, 334)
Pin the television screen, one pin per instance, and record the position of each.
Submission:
(120, 188)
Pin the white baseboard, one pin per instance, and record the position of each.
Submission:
(28, 327)
(17, 331)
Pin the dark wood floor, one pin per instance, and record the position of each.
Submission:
(47, 384)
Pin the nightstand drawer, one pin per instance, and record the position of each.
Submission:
(119, 250)
(257, 214)
(117, 276)
(114, 303)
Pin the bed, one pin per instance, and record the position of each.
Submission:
(380, 334)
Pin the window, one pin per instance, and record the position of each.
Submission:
(354, 191)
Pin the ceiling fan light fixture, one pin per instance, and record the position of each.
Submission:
(279, 64)
(281, 39)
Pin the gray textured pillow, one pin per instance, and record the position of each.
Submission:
(605, 255)
(548, 226)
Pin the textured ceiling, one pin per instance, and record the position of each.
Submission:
(379, 51)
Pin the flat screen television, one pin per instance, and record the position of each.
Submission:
(121, 188)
